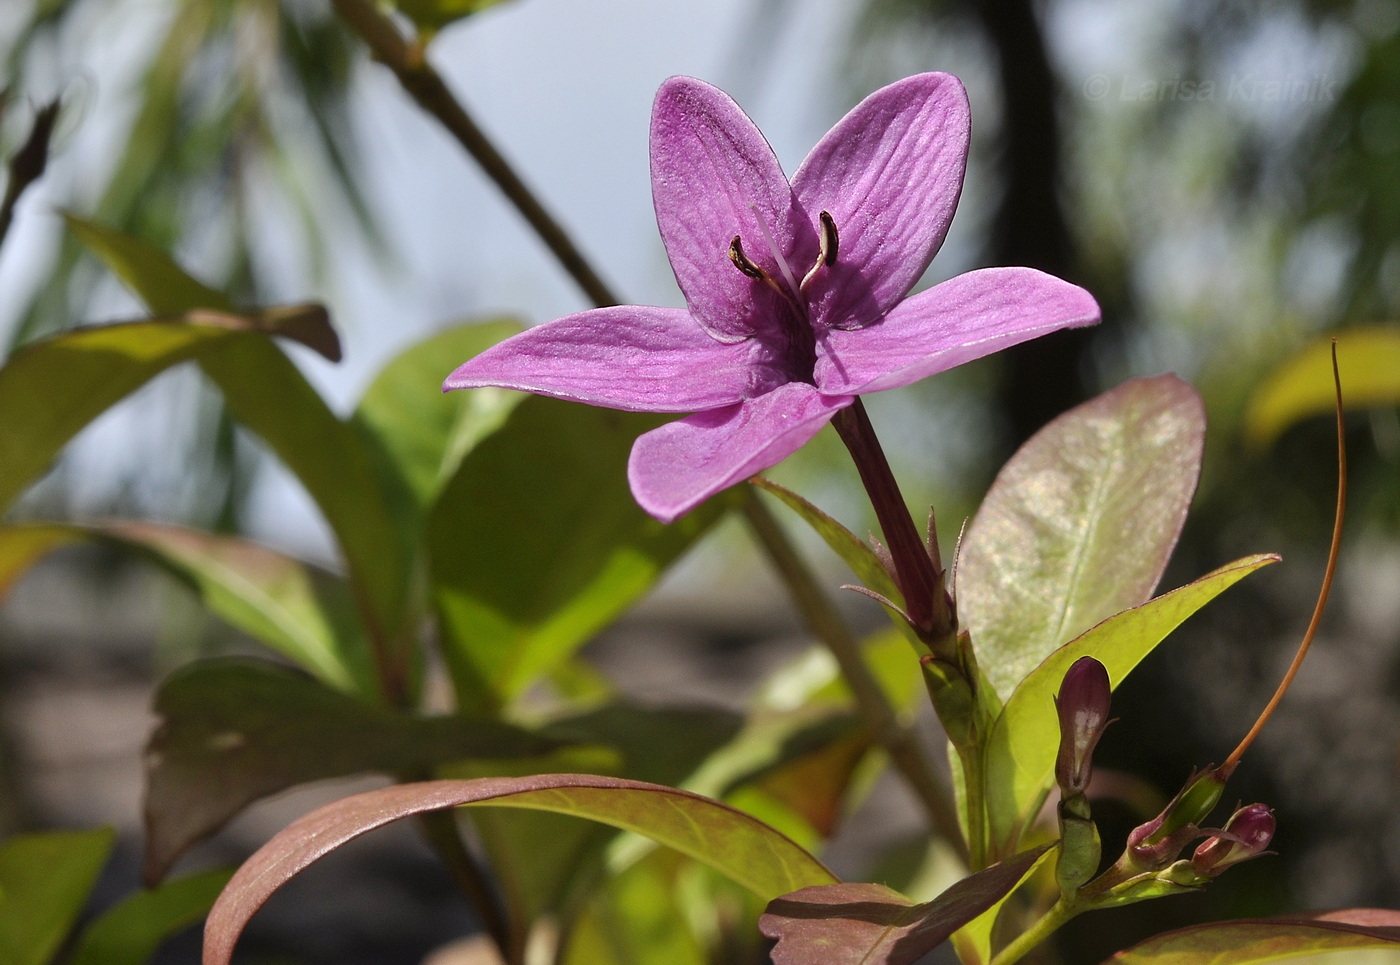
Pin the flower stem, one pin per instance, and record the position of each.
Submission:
(1061, 912)
(918, 569)
(425, 85)
(440, 830)
(874, 707)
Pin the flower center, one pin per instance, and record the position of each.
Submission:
(800, 352)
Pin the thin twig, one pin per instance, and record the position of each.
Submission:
(874, 707)
(440, 829)
(28, 163)
(425, 85)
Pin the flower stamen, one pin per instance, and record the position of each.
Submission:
(742, 262)
(826, 254)
(745, 264)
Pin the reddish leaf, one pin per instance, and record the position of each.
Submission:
(867, 924)
(733, 843)
(1267, 939)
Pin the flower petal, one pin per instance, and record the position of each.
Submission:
(889, 173)
(678, 466)
(957, 321)
(714, 177)
(623, 357)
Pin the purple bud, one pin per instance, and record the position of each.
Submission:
(1246, 835)
(1157, 843)
(1082, 704)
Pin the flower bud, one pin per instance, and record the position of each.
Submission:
(1082, 704)
(1156, 843)
(1246, 835)
(1080, 852)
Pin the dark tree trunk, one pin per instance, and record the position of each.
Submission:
(1045, 376)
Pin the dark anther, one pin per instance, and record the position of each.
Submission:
(741, 261)
(829, 239)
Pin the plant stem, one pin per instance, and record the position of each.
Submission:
(425, 85)
(28, 163)
(918, 571)
(440, 828)
(874, 707)
(974, 778)
(1061, 912)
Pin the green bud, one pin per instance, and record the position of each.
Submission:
(1080, 852)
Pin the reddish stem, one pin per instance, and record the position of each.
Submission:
(918, 570)
(1228, 767)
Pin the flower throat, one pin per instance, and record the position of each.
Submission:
(801, 338)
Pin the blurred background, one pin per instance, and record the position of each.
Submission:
(1223, 176)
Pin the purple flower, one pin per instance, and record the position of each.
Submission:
(795, 291)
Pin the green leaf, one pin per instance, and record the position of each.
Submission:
(45, 880)
(133, 931)
(734, 844)
(536, 544)
(1368, 360)
(234, 731)
(362, 500)
(1020, 750)
(301, 612)
(659, 745)
(853, 551)
(432, 15)
(1079, 524)
(147, 270)
(637, 917)
(1268, 939)
(52, 388)
(23, 546)
(424, 431)
(297, 609)
(868, 924)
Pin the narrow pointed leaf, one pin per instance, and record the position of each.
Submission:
(854, 552)
(868, 924)
(45, 880)
(1046, 556)
(297, 609)
(537, 543)
(1268, 939)
(167, 290)
(234, 731)
(1368, 360)
(364, 503)
(1025, 737)
(146, 270)
(133, 931)
(731, 842)
(52, 388)
(361, 500)
(424, 431)
(301, 612)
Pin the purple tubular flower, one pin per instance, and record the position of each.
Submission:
(795, 291)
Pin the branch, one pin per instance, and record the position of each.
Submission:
(426, 86)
